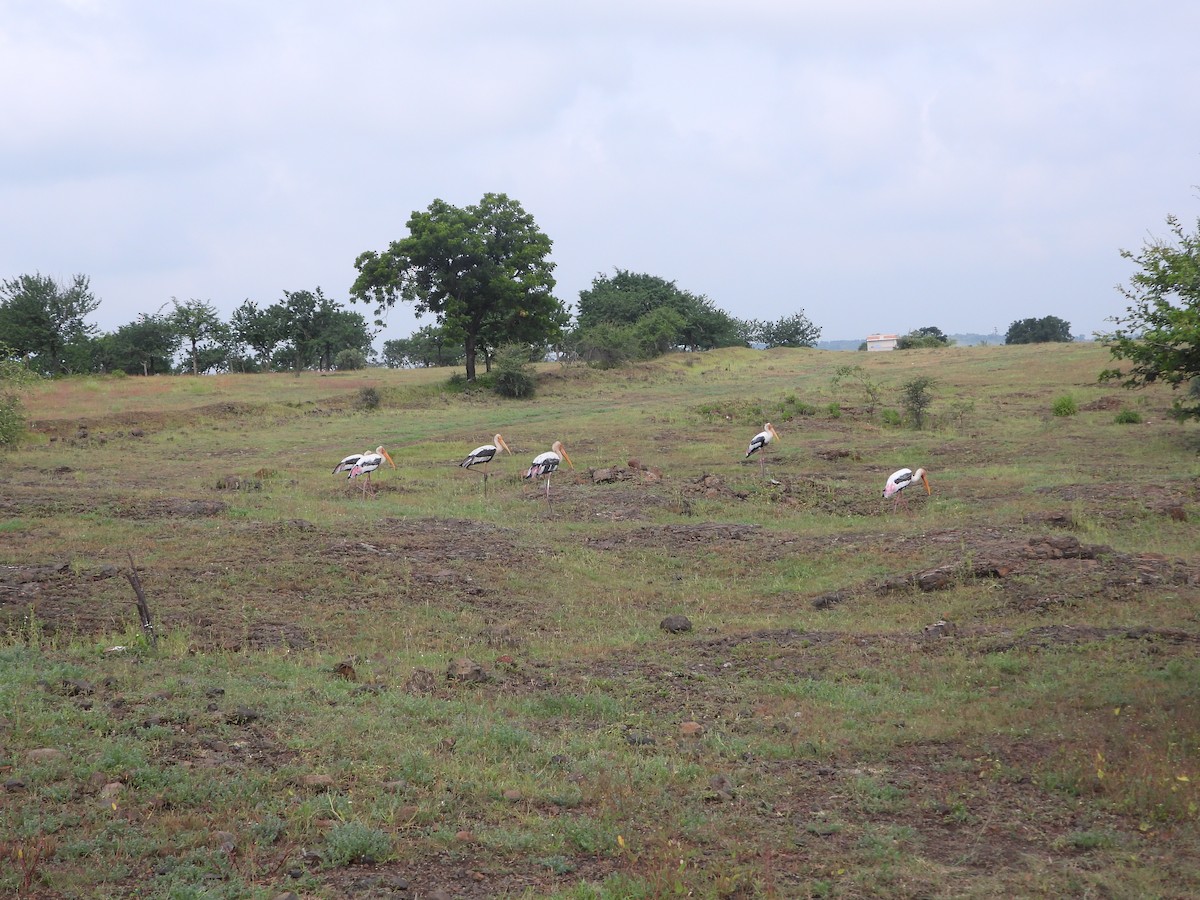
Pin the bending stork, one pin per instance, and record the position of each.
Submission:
(899, 480)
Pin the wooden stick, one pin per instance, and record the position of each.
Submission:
(142, 606)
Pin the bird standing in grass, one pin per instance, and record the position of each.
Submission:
(358, 464)
(759, 443)
(546, 464)
(901, 479)
(481, 456)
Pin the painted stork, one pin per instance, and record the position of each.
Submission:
(546, 464)
(902, 478)
(759, 442)
(357, 464)
(481, 456)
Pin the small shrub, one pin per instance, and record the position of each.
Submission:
(834, 409)
(916, 396)
(512, 377)
(349, 359)
(1128, 417)
(890, 417)
(355, 842)
(12, 421)
(368, 398)
(1065, 406)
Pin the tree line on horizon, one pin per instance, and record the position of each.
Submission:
(483, 272)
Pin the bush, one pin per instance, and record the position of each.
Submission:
(1128, 417)
(890, 417)
(834, 409)
(511, 376)
(349, 359)
(916, 396)
(354, 842)
(368, 398)
(12, 421)
(1065, 406)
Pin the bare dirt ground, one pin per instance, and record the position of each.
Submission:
(994, 824)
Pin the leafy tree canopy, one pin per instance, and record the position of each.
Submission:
(197, 323)
(483, 270)
(625, 298)
(45, 321)
(1048, 329)
(1159, 335)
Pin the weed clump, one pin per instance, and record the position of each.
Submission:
(1128, 417)
(354, 842)
(368, 398)
(1065, 406)
(916, 396)
(512, 377)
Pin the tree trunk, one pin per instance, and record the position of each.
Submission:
(469, 350)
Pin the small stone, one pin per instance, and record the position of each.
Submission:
(111, 790)
(465, 669)
(691, 729)
(317, 781)
(226, 841)
(75, 687)
(420, 682)
(45, 754)
(407, 813)
(243, 715)
(14, 785)
(676, 624)
(512, 795)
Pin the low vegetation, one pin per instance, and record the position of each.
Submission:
(677, 672)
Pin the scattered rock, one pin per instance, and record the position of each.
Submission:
(420, 683)
(225, 841)
(75, 687)
(465, 669)
(243, 715)
(676, 624)
(940, 628)
(722, 787)
(45, 754)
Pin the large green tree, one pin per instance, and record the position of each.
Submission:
(625, 298)
(1160, 331)
(45, 321)
(141, 347)
(1046, 330)
(198, 325)
(483, 270)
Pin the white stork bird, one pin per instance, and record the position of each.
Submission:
(902, 478)
(357, 464)
(481, 456)
(546, 464)
(759, 442)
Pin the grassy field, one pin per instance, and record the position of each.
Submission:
(446, 691)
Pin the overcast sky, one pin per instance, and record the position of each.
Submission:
(881, 165)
